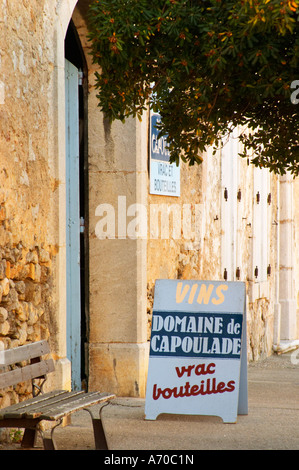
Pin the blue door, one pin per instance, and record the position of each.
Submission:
(73, 223)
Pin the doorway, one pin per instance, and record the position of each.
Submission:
(76, 207)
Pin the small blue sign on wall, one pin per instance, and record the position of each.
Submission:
(198, 361)
(164, 176)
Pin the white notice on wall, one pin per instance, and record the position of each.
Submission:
(164, 176)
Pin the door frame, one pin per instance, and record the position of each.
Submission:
(77, 288)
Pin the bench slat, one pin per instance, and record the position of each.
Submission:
(75, 404)
(36, 407)
(39, 409)
(54, 405)
(18, 409)
(29, 372)
(24, 353)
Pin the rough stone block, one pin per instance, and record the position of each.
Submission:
(3, 314)
(4, 328)
(5, 286)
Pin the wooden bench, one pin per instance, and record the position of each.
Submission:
(52, 406)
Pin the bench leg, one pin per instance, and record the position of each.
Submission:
(98, 431)
(49, 442)
(29, 438)
(99, 434)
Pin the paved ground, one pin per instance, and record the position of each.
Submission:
(272, 422)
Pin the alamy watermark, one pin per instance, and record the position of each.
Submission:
(295, 357)
(295, 95)
(156, 221)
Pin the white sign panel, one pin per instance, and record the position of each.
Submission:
(198, 362)
(164, 176)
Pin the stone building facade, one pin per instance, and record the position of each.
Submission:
(91, 296)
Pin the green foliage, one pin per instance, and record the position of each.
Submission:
(16, 435)
(206, 66)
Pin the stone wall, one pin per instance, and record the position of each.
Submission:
(28, 224)
(179, 255)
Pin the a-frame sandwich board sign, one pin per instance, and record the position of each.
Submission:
(198, 360)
